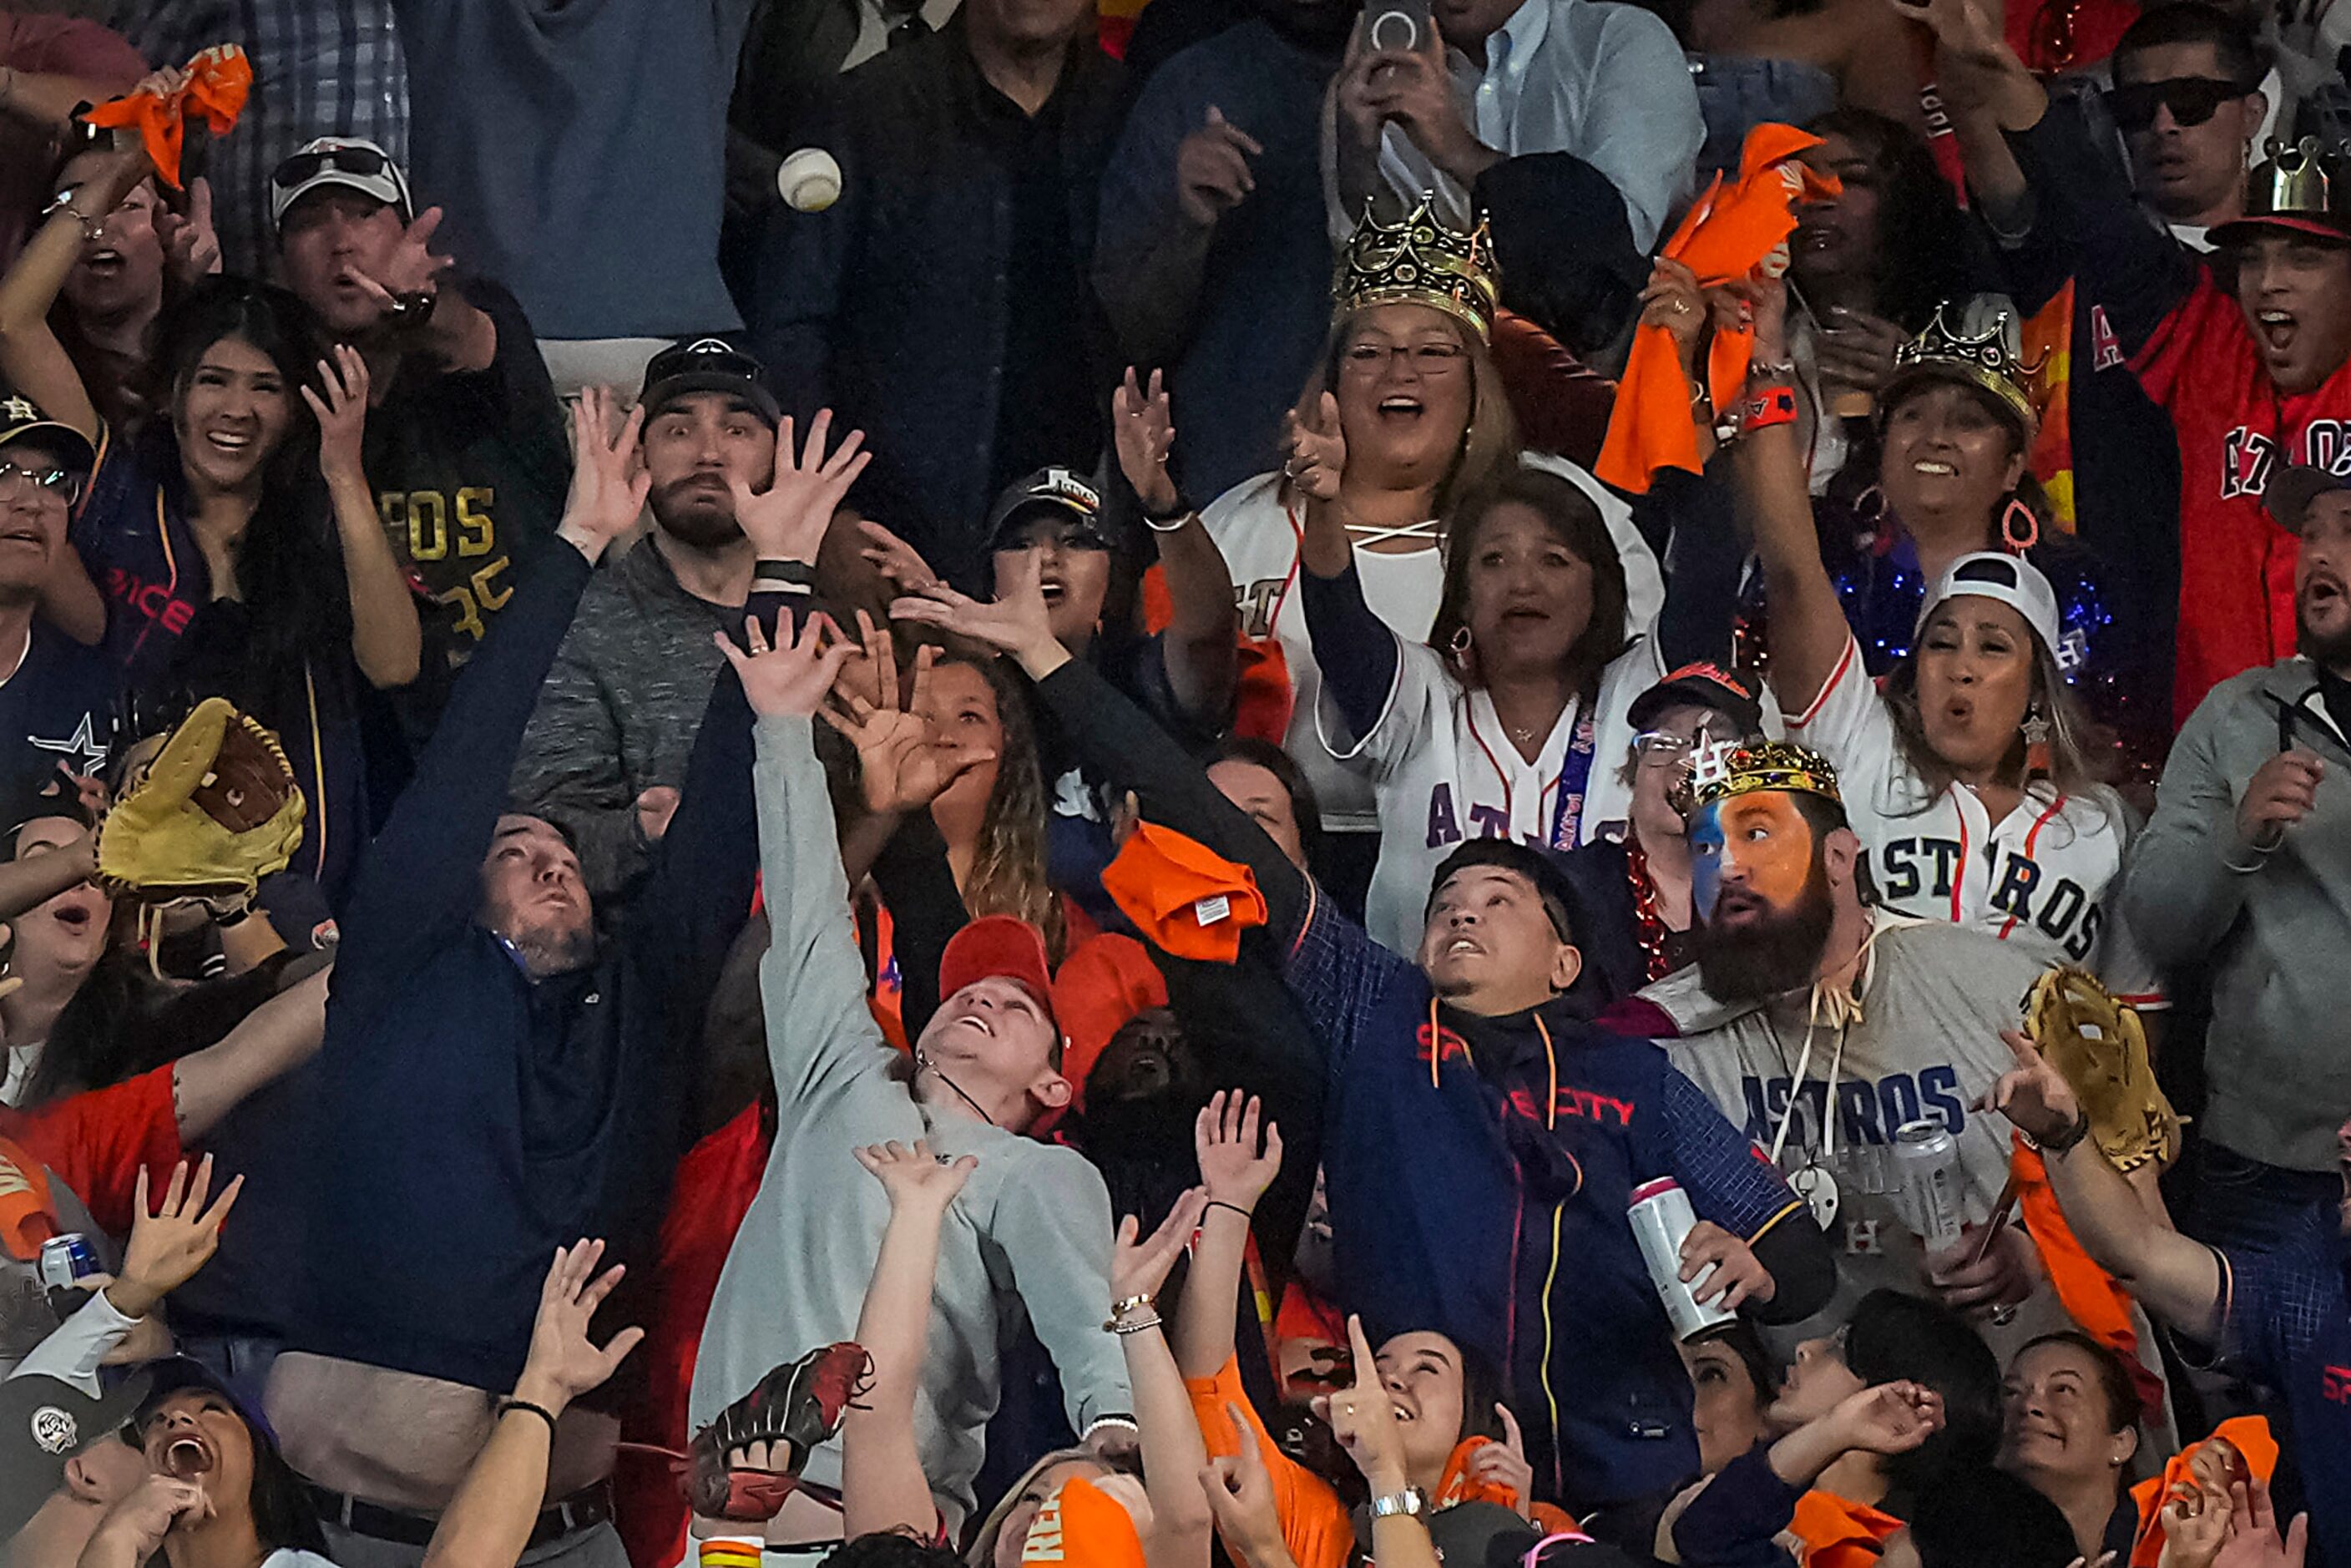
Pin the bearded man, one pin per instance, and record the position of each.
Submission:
(1823, 1027)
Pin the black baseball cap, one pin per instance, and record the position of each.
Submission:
(1539, 866)
(1053, 490)
(708, 365)
(1734, 694)
(176, 1374)
(44, 1422)
(20, 417)
(2292, 490)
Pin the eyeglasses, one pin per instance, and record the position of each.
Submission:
(361, 163)
(2191, 100)
(1428, 359)
(62, 483)
(1660, 746)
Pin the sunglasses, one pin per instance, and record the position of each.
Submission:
(361, 163)
(2191, 100)
(63, 483)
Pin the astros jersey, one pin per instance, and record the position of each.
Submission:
(1442, 770)
(1258, 537)
(2038, 878)
(2236, 577)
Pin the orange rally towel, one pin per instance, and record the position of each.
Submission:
(1083, 1524)
(1186, 899)
(1840, 1534)
(27, 1216)
(218, 81)
(2250, 1434)
(2090, 1295)
(1732, 234)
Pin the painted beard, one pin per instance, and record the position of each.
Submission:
(1775, 955)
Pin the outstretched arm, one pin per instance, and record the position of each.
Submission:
(881, 1482)
(488, 1523)
(1173, 1453)
(1203, 659)
(387, 640)
(1234, 1174)
(2177, 1281)
(273, 1040)
(1733, 1521)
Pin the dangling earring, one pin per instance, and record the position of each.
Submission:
(2036, 744)
(1460, 644)
(2019, 526)
(1869, 507)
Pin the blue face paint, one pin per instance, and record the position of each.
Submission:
(1706, 859)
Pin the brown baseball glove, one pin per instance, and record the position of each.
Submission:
(2095, 1041)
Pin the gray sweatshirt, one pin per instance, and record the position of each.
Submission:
(620, 711)
(2275, 928)
(1031, 1231)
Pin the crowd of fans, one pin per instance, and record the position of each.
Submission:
(1275, 782)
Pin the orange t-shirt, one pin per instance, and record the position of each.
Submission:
(1840, 1534)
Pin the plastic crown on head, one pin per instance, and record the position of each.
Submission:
(1718, 772)
(2299, 179)
(1981, 360)
(1423, 260)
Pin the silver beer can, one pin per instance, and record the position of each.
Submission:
(1662, 1218)
(1933, 1187)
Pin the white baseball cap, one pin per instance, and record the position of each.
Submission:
(351, 161)
(2010, 578)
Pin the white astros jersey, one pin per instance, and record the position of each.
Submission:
(1259, 542)
(1442, 770)
(2038, 878)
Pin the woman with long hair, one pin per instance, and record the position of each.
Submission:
(1407, 382)
(993, 816)
(1973, 778)
(232, 545)
(221, 1495)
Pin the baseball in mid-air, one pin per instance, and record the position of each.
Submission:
(809, 180)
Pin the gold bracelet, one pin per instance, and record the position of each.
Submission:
(1127, 1304)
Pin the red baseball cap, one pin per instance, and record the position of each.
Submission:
(993, 945)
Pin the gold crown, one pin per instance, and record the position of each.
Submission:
(1422, 260)
(1722, 770)
(1982, 362)
(2299, 181)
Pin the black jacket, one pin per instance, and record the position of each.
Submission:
(892, 305)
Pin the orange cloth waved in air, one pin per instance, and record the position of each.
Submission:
(2092, 1298)
(1186, 899)
(218, 81)
(2251, 1437)
(1840, 1534)
(1315, 1524)
(1732, 235)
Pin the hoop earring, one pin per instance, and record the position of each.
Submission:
(2019, 526)
(2036, 743)
(1459, 645)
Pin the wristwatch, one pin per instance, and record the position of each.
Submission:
(1409, 1503)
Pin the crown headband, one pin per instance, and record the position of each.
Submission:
(1981, 360)
(1423, 260)
(1719, 772)
(2298, 180)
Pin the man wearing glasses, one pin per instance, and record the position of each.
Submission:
(57, 697)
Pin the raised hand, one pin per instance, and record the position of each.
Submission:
(410, 267)
(1363, 1419)
(787, 520)
(1212, 169)
(1888, 1417)
(1672, 299)
(1139, 1266)
(1240, 1495)
(1857, 348)
(1504, 1463)
(1225, 1138)
(563, 1363)
(341, 414)
(608, 481)
(894, 558)
(1315, 453)
(2194, 1525)
(1413, 89)
(792, 678)
(1738, 1274)
(2033, 1095)
(917, 1179)
(2253, 1540)
(168, 1246)
(191, 243)
(1144, 435)
(1018, 623)
(901, 766)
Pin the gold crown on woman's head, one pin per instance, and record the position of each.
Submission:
(1982, 359)
(1720, 771)
(1423, 260)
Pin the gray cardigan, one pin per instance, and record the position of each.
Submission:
(1031, 1231)
(2276, 928)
